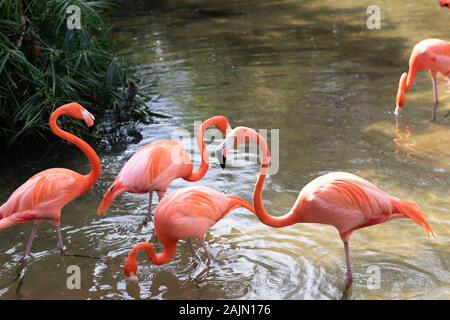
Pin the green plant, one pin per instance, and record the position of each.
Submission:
(43, 65)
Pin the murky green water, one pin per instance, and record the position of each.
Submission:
(309, 68)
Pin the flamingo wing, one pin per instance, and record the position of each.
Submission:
(45, 193)
(432, 54)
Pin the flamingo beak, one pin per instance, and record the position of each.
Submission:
(397, 114)
(224, 146)
(88, 118)
(222, 158)
(222, 149)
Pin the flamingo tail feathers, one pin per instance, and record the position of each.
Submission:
(238, 202)
(410, 210)
(113, 192)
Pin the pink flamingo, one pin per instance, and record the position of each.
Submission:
(340, 199)
(429, 54)
(157, 164)
(186, 213)
(44, 195)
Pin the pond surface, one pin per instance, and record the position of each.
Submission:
(314, 71)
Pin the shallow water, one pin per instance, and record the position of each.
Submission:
(308, 68)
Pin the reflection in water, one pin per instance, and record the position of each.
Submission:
(406, 146)
(309, 68)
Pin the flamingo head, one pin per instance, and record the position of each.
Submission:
(222, 123)
(445, 3)
(400, 99)
(88, 118)
(229, 142)
(76, 110)
(235, 138)
(130, 269)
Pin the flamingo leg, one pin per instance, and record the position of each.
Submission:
(192, 250)
(448, 113)
(160, 196)
(150, 201)
(349, 264)
(30, 241)
(206, 250)
(60, 241)
(436, 98)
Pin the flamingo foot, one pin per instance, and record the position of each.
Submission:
(145, 224)
(348, 289)
(20, 272)
(433, 119)
(19, 285)
(433, 113)
(349, 281)
(24, 259)
(208, 254)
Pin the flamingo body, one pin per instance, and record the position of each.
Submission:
(44, 195)
(185, 214)
(348, 203)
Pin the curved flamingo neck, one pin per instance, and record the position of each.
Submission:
(94, 160)
(413, 68)
(169, 249)
(400, 100)
(266, 218)
(406, 82)
(204, 165)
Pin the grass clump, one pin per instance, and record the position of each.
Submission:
(44, 64)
